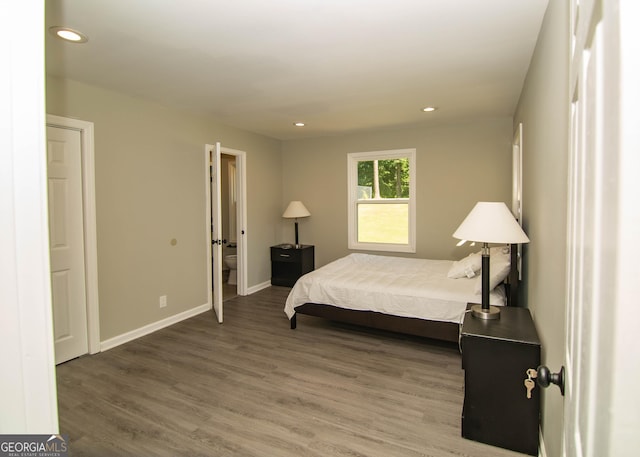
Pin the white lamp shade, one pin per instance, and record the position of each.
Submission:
(296, 209)
(491, 222)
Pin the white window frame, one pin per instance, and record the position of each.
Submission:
(352, 168)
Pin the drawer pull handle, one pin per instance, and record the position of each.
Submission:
(285, 255)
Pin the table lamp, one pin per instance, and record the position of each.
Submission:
(296, 210)
(489, 222)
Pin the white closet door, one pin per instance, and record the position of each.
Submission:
(66, 238)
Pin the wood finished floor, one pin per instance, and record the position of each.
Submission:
(253, 387)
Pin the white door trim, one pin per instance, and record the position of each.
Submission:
(89, 221)
(516, 177)
(207, 221)
(516, 174)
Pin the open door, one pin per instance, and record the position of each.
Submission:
(215, 241)
(601, 365)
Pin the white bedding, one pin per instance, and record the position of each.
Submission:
(390, 285)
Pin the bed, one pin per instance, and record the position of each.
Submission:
(421, 297)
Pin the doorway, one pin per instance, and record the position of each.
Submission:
(229, 207)
(226, 224)
(73, 242)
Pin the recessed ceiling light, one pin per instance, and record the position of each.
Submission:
(299, 124)
(428, 109)
(67, 34)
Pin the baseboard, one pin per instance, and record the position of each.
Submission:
(258, 287)
(142, 331)
(542, 449)
(150, 328)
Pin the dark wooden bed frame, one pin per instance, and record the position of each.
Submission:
(446, 331)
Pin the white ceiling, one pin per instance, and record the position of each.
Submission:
(338, 65)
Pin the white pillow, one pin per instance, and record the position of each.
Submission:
(500, 250)
(467, 267)
(499, 267)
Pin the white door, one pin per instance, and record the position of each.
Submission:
(66, 235)
(216, 228)
(600, 410)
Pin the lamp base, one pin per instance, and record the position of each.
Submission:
(492, 313)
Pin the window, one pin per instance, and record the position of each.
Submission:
(382, 200)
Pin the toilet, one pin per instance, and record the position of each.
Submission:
(232, 263)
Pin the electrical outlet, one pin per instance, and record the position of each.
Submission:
(163, 301)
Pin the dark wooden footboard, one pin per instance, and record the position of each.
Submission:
(445, 331)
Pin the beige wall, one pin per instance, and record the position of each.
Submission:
(543, 109)
(150, 188)
(458, 165)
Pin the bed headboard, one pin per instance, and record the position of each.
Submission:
(513, 279)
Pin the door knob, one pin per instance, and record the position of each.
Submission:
(545, 378)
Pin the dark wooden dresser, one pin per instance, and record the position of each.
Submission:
(288, 264)
(496, 355)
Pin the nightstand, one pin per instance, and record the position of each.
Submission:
(496, 355)
(288, 264)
